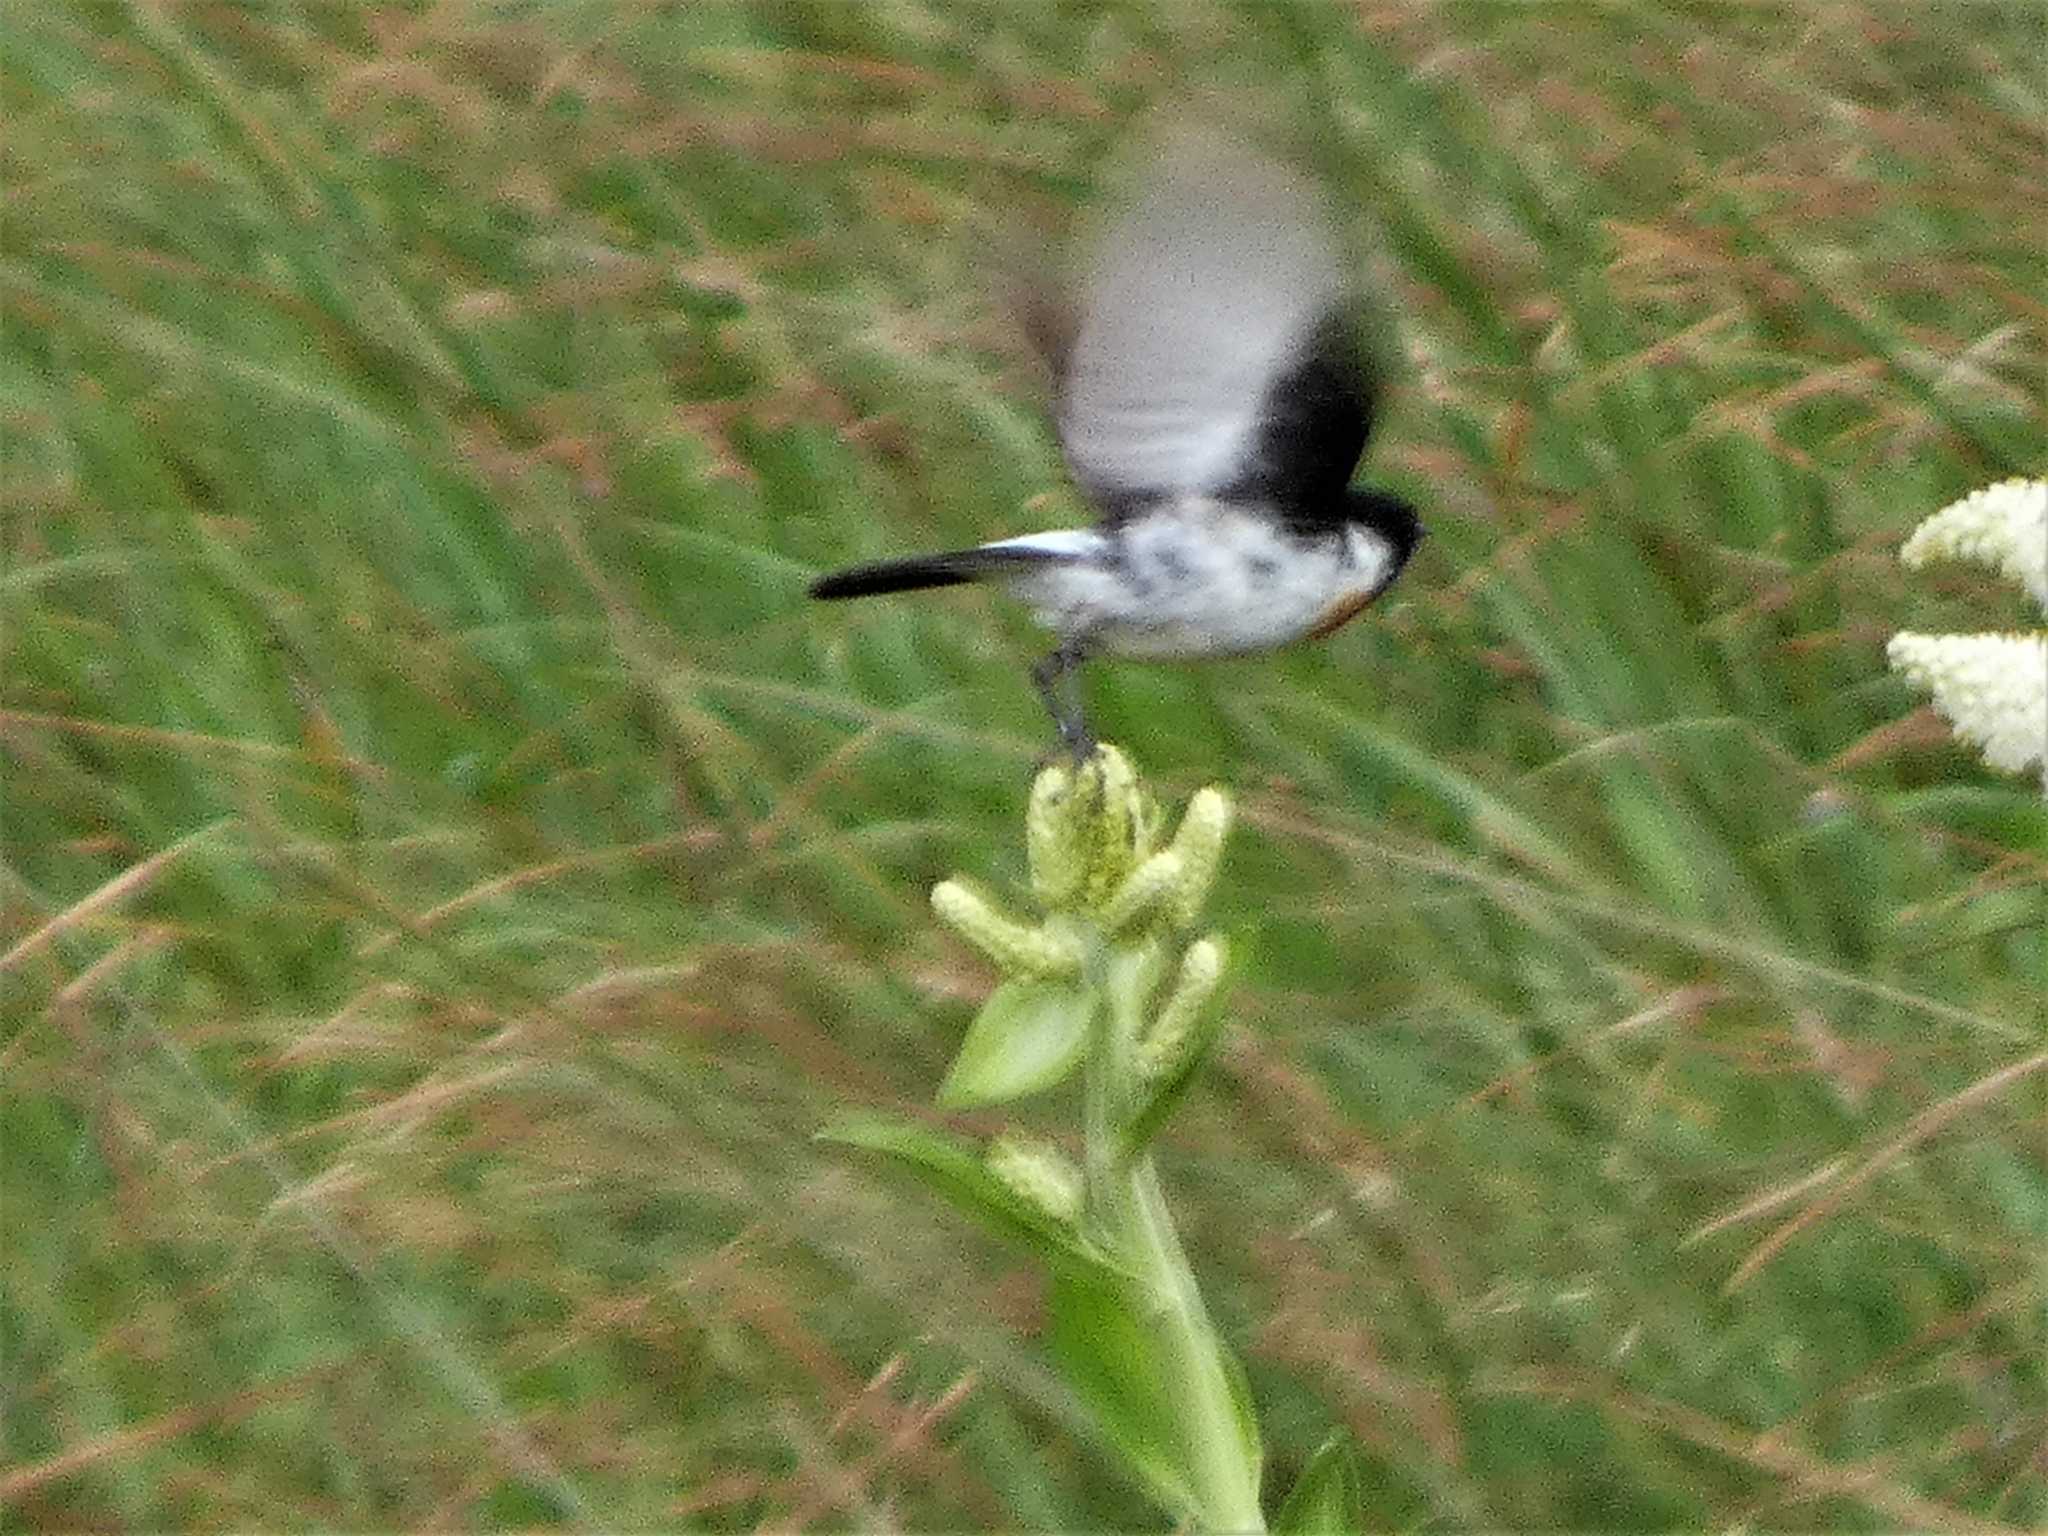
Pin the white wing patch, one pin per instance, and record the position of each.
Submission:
(1060, 543)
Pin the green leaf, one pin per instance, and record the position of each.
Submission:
(1251, 1443)
(953, 1166)
(1109, 1358)
(2015, 818)
(1104, 1338)
(1028, 1035)
(1324, 1499)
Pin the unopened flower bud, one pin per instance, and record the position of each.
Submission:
(1145, 890)
(1039, 1173)
(1201, 968)
(1018, 949)
(1119, 820)
(1199, 843)
(1057, 836)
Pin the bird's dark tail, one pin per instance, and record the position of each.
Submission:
(943, 570)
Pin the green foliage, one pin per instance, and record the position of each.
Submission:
(960, 1173)
(1324, 1500)
(1129, 1334)
(1104, 1338)
(447, 873)
(1027, 1037)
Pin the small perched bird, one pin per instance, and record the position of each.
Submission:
(1213, 399)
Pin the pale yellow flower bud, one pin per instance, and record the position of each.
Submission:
(1018, 949)
(1150, 885)
(1038, 1172)
(1200, 845)
(1120, 820)
(1201, 968)
(1057, 829)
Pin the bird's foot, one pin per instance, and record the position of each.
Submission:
(1076, 741)
(1074, 745)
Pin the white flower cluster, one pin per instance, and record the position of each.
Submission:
(2003, 525)
(1992, 688)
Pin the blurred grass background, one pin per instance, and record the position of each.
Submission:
(447, 871)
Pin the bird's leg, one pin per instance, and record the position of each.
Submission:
(1068, 717)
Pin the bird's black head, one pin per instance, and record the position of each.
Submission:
(1391, 518)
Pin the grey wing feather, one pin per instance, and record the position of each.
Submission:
(1202, 297)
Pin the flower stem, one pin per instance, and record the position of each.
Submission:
(1126, 1215)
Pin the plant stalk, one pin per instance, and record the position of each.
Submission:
(1126, 1214)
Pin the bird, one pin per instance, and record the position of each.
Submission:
(1212, 400)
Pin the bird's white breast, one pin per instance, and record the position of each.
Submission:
(1205, 578)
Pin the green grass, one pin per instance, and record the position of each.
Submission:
(447, 872)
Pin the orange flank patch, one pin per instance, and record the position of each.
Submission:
(1341, 612)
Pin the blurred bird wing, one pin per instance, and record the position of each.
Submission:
(1211, 298)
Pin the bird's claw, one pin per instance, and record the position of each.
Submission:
(1068, 720)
